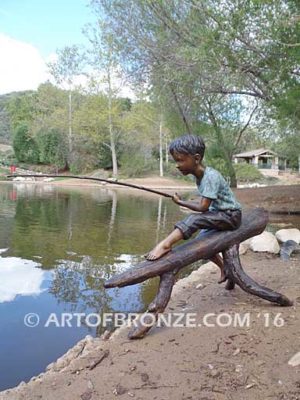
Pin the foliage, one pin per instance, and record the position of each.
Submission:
(228, 71)
(206, 62)
(85, 155)
(289, 147)
(135, 163)
(21, 109)
(247, 172)
(52, 147)
(25, 148)
(4, 120)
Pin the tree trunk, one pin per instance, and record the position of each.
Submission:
(161, 168)
(232, 174)
(167, 150)
(110, 126)
(70, 133)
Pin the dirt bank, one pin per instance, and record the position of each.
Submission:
(204, 362)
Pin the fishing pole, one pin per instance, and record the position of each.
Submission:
(92, 179)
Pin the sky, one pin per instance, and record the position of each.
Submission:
(30, 33)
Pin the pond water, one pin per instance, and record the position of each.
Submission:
(57, 246)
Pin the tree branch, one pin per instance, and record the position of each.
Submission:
(245, 127)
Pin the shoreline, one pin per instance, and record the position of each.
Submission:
(280, 199)
(206, 361)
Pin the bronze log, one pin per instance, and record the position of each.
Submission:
(253, 223)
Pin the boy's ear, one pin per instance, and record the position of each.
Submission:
(198, 157)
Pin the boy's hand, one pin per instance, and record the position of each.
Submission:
(176, 198)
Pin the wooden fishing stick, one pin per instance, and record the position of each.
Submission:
(91, 179)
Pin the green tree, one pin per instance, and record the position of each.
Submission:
(108, 75)
(144, 127)
(201, 55)
(21, 109)
(65, 69)
(25, 147)
(52, 147)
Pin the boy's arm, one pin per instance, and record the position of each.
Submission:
(201, 204)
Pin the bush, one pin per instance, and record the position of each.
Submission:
(134, 165)
(25, 147)
(52, 147)
(84, 157)
(247, 172)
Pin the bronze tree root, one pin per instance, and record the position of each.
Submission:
(158, 305)
(227, 242)
(237, 275)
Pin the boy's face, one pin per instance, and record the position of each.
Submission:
(186, 163)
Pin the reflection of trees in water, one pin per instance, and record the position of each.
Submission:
(80, 284)
(158, 222)
(112, 218)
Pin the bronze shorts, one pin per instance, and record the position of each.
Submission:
(216, 220)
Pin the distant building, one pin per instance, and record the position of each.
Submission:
(262, 159)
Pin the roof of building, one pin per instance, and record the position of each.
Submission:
(254, 153)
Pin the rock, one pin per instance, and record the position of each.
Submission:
(119, 390)
(106, 335)
(236, 352)
(200, 286)
(214, 373)
(284, 235)
(86, 395)
(90, 385)
(243, 248)
(295, 360)
(145, 377)
(50, 366)
(265, 242)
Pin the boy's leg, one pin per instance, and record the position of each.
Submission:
(165, 245)
(216, 220)
(217, 259)
(184, 229)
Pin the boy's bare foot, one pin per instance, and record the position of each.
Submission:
(160, 250)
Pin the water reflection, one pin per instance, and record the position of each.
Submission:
(58, 246)
(19, 277)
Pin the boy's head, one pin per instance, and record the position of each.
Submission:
(188, 152)
(188, 144)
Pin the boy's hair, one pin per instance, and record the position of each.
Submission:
(188, 144)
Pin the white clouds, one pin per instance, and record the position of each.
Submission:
(21, 67)
(19, 277)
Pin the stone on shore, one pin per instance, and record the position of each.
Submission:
(295, 360)
(265, 242)
(283, 235)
